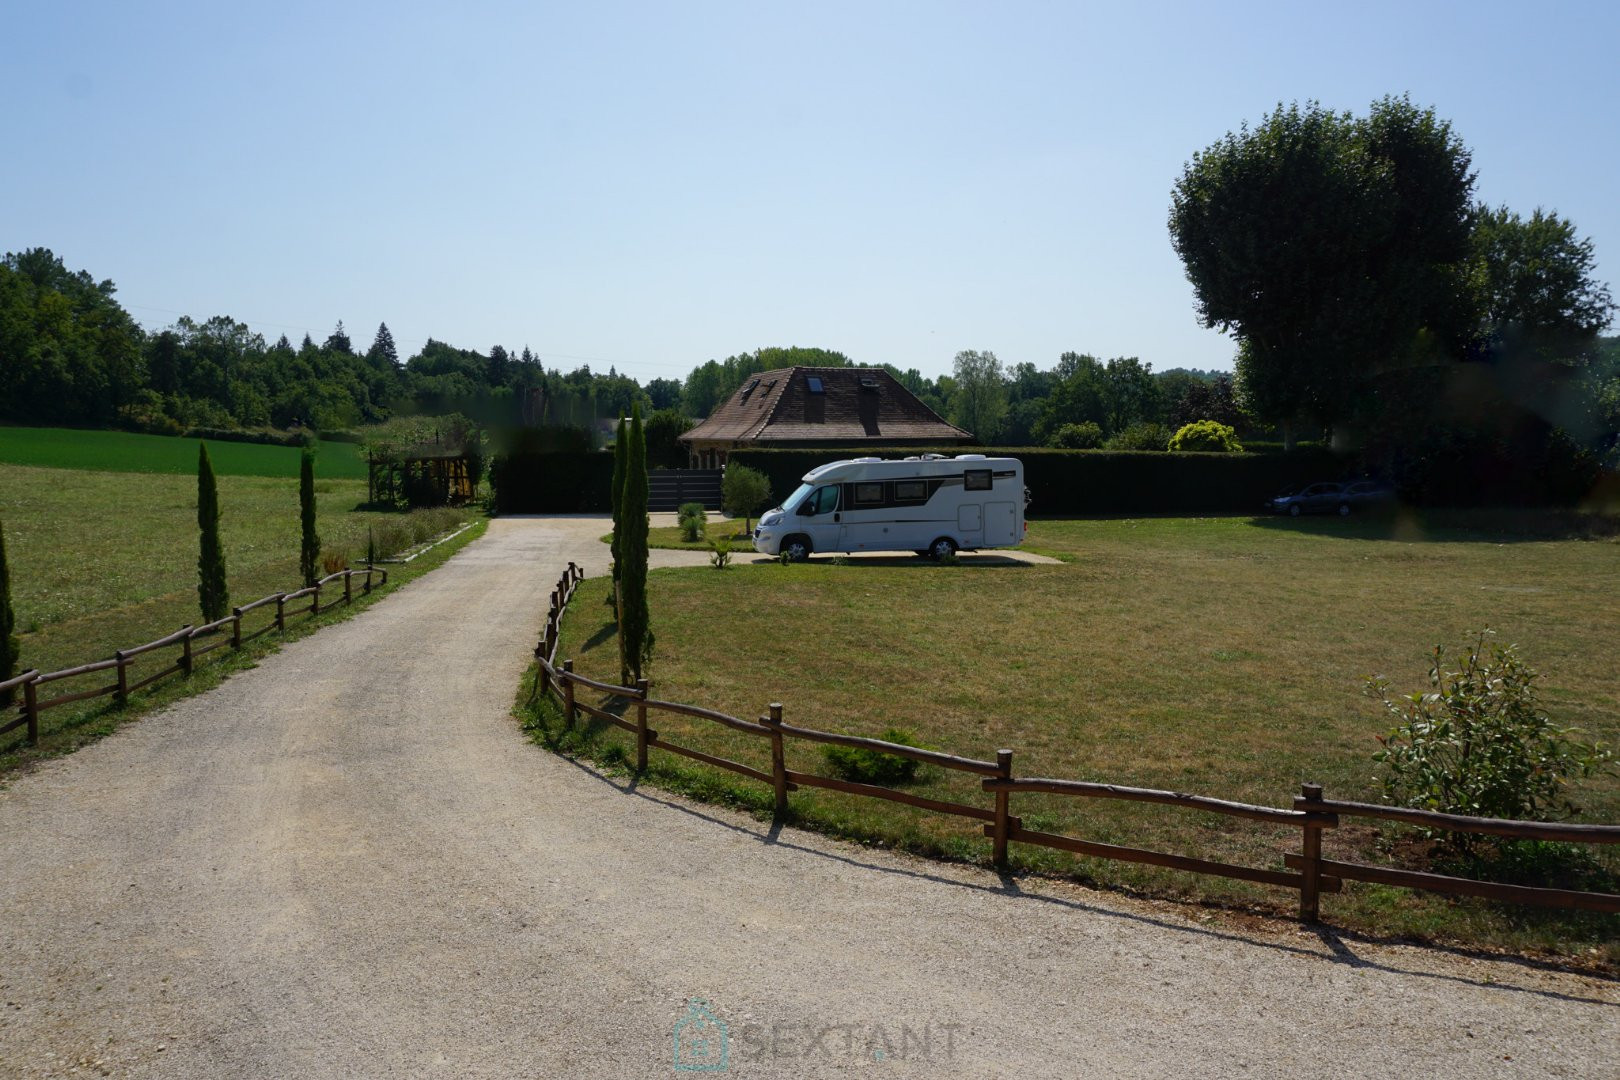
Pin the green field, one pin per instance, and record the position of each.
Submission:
(103, 547)
(1225, 657)
(122, 451)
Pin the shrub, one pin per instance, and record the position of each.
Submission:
(1206, 436)
(865, 766)
(1477, 743)
(720, 552)
(1082, 436)
(333, 561)
(1142, 437)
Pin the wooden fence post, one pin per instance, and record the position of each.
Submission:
(642, 686)
(122, 697)
(1310, 887)
(236, 628)
(281, 613)
(1003, 810)
(315, 608)
(31, 710)
(348, 587)
(568, 693)
(778, 759)
(185, 653)
(366, 588)
(542, 680)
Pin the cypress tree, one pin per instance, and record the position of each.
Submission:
(615, 495)
(9, 650)
(635, 622)
(212, 592)
(309, 552)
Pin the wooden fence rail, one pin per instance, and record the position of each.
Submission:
(1307, 871)
(185, 637)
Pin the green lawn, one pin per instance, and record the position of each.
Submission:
(122, 451)
(1220, 656)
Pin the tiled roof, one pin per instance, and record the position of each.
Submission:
(855, 404)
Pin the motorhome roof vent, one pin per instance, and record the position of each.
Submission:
(933, 457)
(969, 457)
(866, 459)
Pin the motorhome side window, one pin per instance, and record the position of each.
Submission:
(823, 500)
(906, 491)
(868, 494)
(976, 480)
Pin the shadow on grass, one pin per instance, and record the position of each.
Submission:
(1515, 525)
(609, 765)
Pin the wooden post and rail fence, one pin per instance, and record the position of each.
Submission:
(1306, 871)
(228, 631)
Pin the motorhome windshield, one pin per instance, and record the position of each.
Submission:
(791, 503)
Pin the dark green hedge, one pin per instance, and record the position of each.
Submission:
(558, 482)
(1102, 482)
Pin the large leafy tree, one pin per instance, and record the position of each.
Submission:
(1537, 293)
(1541, 311)
(68, 351)
(1327, 245)
(980, 402)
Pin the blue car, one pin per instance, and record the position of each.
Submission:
(1330, 498)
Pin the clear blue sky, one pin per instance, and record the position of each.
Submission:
(654, 185)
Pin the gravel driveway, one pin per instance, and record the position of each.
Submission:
(349, 863)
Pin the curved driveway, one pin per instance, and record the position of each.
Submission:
(347, 862)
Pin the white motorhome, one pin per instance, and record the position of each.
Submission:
(932, 505)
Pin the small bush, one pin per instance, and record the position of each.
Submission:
(720, 552)
(1206, 436)
(1477, 743)
(333, 561)
(865, 766)
(1082, 436)
(1140, 437)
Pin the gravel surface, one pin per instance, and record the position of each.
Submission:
(347, 862)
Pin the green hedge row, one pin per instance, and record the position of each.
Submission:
(1103, 482)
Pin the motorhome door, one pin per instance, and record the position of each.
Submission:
(819, 518)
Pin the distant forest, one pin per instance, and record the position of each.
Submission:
(71, 355)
